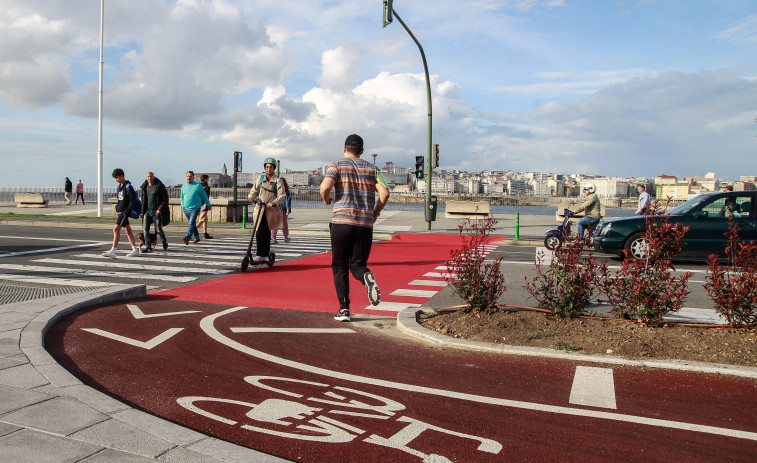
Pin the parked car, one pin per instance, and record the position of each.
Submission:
(704, 214)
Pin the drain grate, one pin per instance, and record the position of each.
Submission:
(12, 293)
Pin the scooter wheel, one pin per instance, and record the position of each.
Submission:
(245, 263)
(271, 258)
(552, 243)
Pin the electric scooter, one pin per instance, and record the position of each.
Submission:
(248, 260)
(554, 238)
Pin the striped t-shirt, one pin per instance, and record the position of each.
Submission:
(354, 191)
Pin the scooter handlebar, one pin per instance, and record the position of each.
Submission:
(567, 212)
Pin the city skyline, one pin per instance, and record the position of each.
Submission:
(626, 88)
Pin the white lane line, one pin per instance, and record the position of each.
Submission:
(149, 344)
(413, 293)
(293, 330)
(594, 387)
(48, 250)
(140, 266)
(73, 212)
(94, 273)
(428, 283)
(54, 281)
(438, 275)
(154, 257)
(391, 306)
(138, 314)
(208, 326)
(67, 240)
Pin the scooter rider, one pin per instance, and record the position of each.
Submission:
(271, 193)
(591, 208)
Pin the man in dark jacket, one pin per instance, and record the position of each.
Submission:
(68, 187)
(126, 202)
(154, 210)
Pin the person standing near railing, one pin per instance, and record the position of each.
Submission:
(67, 189)
(80, 193)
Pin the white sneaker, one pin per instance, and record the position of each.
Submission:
(111, 253)
(134, 253)
(260, 259)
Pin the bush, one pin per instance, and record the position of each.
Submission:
(733, 287)
(645, 288)
(478, 283)
(569, 284)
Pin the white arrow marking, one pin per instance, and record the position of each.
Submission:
(137, 312)
(292, 330)
(164, 336)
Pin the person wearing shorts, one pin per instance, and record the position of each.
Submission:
(125, 195)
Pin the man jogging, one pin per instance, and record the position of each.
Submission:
(355, 183)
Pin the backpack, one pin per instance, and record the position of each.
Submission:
(136, 207)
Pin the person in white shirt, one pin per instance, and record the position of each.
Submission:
(644, 200)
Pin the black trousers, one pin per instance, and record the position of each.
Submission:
(263, 236)
(350, 249)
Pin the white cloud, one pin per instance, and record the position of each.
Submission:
(743, 32)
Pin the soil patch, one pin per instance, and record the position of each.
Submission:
(622, 338)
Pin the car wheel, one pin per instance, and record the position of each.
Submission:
(552, 243)
(637, 247)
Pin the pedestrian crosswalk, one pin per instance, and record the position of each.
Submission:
(160, 269)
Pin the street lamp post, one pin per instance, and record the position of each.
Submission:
(389, 13)
(100, 118)
(374, 159)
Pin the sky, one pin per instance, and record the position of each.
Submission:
(632, 88)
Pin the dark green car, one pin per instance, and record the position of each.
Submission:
(706, 215)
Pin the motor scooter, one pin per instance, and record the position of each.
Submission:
(248, 259)
(554, 238)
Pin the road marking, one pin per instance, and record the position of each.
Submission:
(149, 344)
(208, 326)
(293, 330)
(140, 266)
(94, 273)
(391, 306)
(54, 281)
(439, 275)
(428, 283)
(154, 256)
(46, 250)
(138, 314)
(594, 387)
(413, 293)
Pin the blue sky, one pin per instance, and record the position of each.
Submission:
(606, 87)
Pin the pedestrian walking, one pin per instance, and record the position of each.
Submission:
(154, 211)
(286, 209)
(269, 189)
(355, 183)
(644, 200)
(67, 189)
(80, 193)
(202, 218)
(192, 199)
(126, 202)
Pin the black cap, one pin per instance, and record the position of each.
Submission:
(354, 141)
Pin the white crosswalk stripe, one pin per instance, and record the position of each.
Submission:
(180, 264)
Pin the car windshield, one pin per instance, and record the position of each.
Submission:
(688, 205)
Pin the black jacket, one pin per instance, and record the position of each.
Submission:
(125, 198)
(162, 197)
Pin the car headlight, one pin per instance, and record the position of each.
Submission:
(604, 228)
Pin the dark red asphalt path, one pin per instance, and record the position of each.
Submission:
(358, 395)
(307, 284)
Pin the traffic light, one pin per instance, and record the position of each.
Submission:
(435, 161)
(388, 12)
(419, 167)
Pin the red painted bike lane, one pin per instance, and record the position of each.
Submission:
(292, 384)
(296, 384)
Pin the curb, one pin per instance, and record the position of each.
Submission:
(176, 442)
(407, 324)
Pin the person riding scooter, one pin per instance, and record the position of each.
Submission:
(270, 190)
(591, 208)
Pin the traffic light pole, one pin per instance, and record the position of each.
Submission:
(429, 165)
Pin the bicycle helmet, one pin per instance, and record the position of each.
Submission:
(269, 161)
(591, 187)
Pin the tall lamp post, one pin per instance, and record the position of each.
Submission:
(100, 118)
(389, 13)
(374, 159)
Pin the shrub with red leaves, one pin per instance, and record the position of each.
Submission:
(570, 282)
(645, 288)
(733, 287)
(478, 283)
